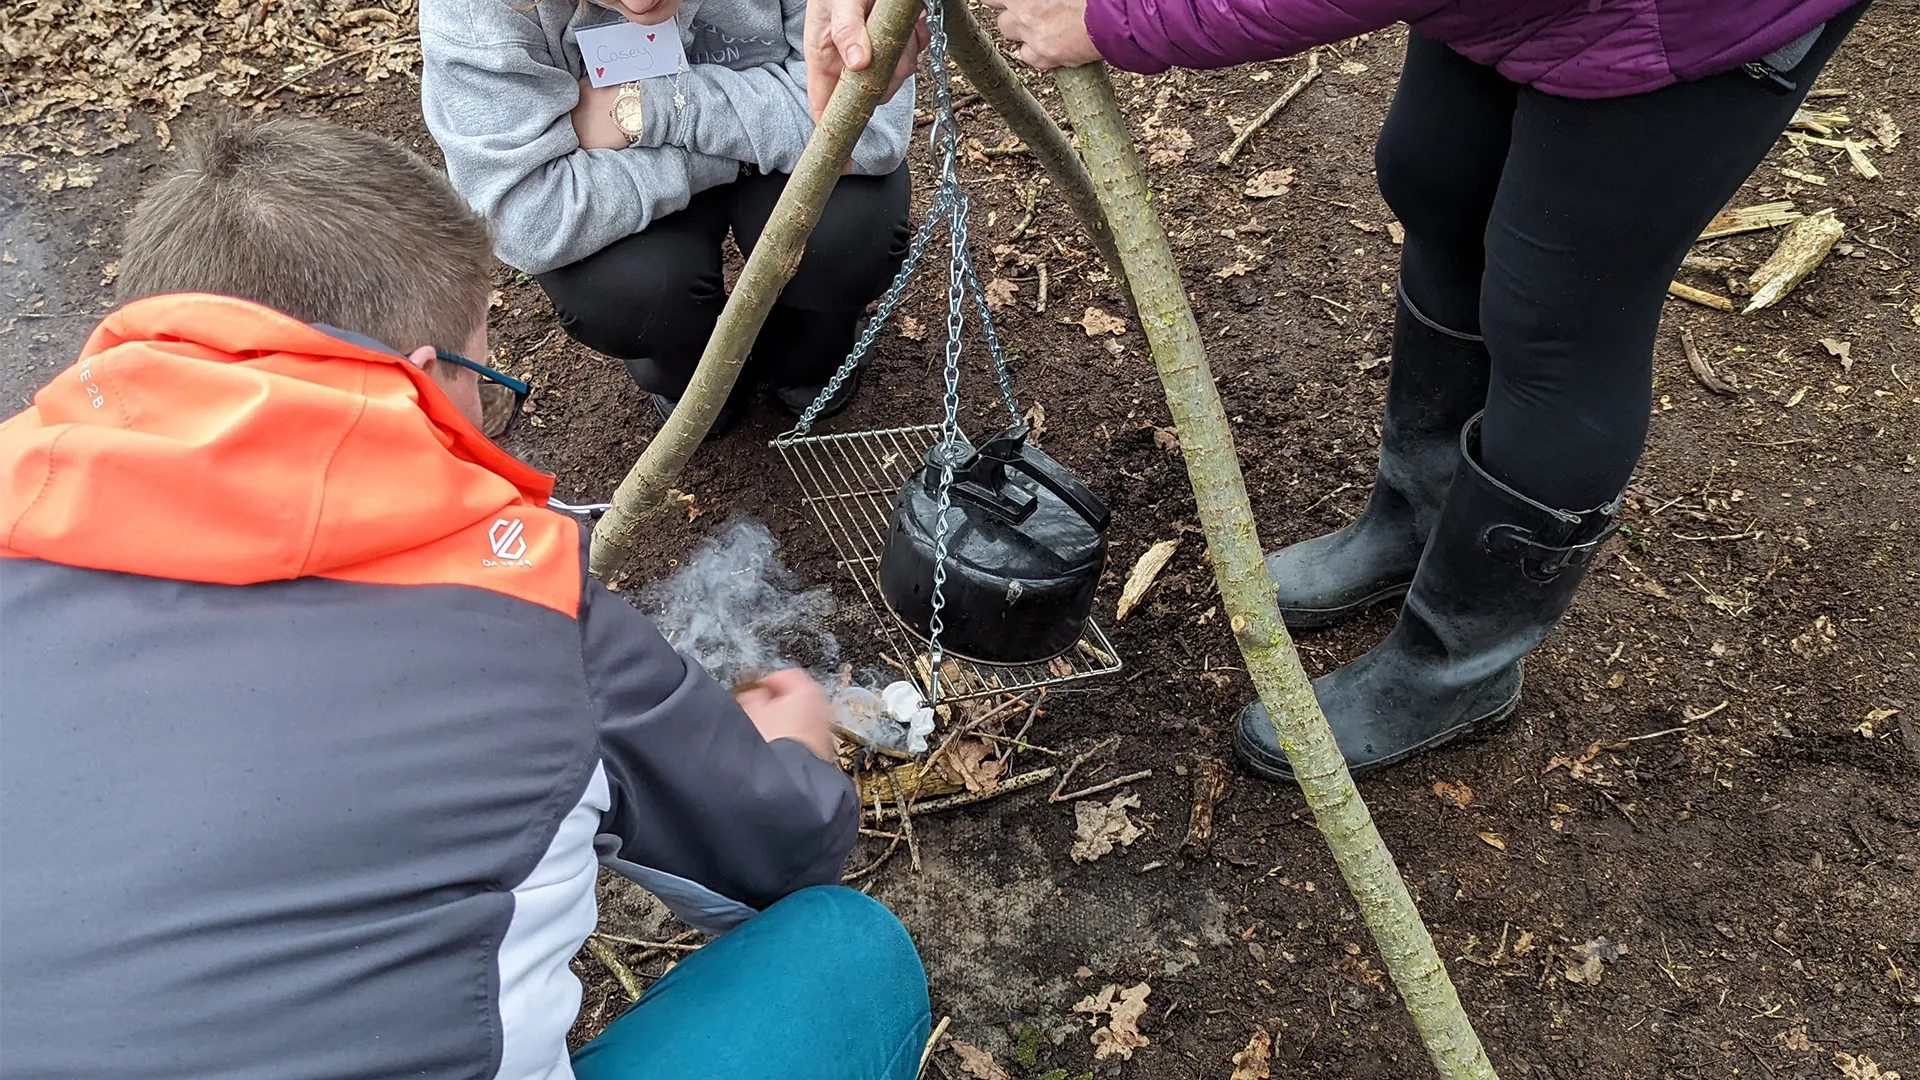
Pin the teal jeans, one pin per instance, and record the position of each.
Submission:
(824, 985)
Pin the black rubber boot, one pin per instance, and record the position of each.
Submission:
(1438, 380)
(1498, 572)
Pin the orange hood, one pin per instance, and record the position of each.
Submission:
(205, 438)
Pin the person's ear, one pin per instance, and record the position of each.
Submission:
(421, 357)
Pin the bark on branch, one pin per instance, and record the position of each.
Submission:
(643, 496)
(1245, 590)
(974, 53)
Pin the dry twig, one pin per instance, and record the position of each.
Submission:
(968, 798)
(1273, 110)
(1105, 785)
(1699, 296)
(939, 1029)
(1074, 765)
(1702, 370)
(615, 966)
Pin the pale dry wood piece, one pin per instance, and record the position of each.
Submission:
(1818, 121)
(1856, 152)
(1712, 264)
(933, 1040)
(616, 967)
(1209, 787)
(1146, 570)
(1755, 218)
(1801, 250)
(1699, 296)
(1103, 786)
(1273, 110)
(1702, 370)
(1011, 784)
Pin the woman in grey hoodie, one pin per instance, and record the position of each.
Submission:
(618, 199)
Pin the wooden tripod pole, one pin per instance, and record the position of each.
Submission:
(1246, 592)
(642, 498)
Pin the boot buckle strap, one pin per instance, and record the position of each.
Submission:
(1544, 561)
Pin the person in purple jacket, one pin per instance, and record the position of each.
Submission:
(1551, 161)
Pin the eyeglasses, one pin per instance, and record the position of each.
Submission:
(501, 395)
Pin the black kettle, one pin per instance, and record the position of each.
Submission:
(1026, 544)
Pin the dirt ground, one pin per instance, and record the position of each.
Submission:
(1712, 784)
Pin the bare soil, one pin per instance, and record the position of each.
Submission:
(1715, 767)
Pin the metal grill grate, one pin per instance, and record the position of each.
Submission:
(849, 482)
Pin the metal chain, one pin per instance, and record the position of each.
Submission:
(951, 204)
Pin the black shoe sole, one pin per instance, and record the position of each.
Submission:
(1254, 760)
(1326, 618)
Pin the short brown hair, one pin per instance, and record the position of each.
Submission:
(322, 222)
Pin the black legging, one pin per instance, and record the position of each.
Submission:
(1552, 226)
(651, 299)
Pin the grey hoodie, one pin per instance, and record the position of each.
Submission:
(502, 76)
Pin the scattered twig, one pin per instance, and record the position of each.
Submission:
(1020, 230)
(968, 798)
(1209, 787)
(1702, 370)
(610, 960)
(325, 64)
(1015, 744)
(650, 946)
(1699, 296)
(1074, 765)
(1107, 785)
(939, 1029)
(906, 831)
(1040, 304)
(860, 740)
(960, 101)
(1696, 717)
(1273, 110)
(967, 729)
(1751, 219)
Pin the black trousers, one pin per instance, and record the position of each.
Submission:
(1552, 226)
(652, 298)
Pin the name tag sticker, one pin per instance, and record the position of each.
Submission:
(625, 52)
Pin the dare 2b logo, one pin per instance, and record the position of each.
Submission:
(507, 539)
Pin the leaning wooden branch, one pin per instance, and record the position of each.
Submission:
(1273, 110)
(977, 58)
(642, 498)
(1245, 590)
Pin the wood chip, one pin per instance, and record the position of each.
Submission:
(1209, 787)
(1801, 250)
(1699, 296)
(1493, 841)
(1747, 219)
(1141, 578)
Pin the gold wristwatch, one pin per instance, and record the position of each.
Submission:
(626, 111)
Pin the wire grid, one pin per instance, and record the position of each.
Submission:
(849, 481)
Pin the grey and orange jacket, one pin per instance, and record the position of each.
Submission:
(312, 726)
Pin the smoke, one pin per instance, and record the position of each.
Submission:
(740, 613)
(735, 608)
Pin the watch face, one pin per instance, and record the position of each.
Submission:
(626, 113)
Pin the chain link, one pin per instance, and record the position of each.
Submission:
(951, 205)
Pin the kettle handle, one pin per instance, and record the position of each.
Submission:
(1054, 476)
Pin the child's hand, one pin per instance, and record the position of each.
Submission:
(593, 122)
(790, 705)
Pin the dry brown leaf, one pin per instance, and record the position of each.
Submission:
(1252, 1063)
(1493, 841)
(1795, 1038)
(911, 329)
(1270, 184)
(1458, 796)
(1036, 420)
(1168, 146)
(1166, 439)
(1120, 1037)
(973, 763)
(1885, 131)
(1840, 350)
(1523, 944)
(1096, 322)
(1000, 292)
(1237, 269)
(1351, 67)
(1861, 1067)
(1141, 578)
(1396, 232)
(1099, 828)
(976, 1062)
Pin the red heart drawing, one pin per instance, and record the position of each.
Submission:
(599, 71)
(649, 37)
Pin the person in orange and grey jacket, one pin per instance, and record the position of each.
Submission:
(313, 730)
(1551, 162)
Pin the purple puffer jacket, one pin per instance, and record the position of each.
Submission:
(1572, 48)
